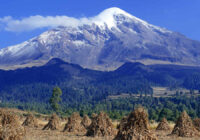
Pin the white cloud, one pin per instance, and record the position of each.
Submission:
(35, 22)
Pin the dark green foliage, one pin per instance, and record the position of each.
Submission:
(87, 90)
(55, 99)
(158, 108)
(165, 113)
(83, 85)
(192, 81)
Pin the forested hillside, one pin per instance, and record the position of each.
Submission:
(81, 85)
(84, 89)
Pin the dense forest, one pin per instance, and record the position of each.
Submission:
(87, 90)
(157, 107)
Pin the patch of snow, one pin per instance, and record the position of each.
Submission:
(44, 36)
(26, 50)
(13, 49)
(131, 30)
(78, 42)
(107, 19)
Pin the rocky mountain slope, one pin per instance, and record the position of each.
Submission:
(105, 42)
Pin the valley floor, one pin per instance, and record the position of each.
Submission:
(39, 134)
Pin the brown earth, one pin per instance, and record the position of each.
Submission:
(197, 123)
(30, 121)
(53, 124)
(101, 126)
(74, 124)
(10, 127)
(184, 127)
(86, 121)
(163, 125)
(33, 133)
(136, 127)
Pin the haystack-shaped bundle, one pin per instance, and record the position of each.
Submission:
(74, 124)
(94, 115)
(197, 123)
(184, 127)
(163, 125)
(10, 128)
(101, 126)
(64, 118)
(31, 121)
(9, 118)
(122, 123)
(136, 127)
(53, 124)
(86, 121)
(10, 132)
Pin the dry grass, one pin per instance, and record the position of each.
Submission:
(184, 127)
(164, 135)
(10, 127)
(115, 123)
(102, 126)
(135, 127)
(154, 125)
(39, 134)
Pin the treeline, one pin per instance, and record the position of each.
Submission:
(157, 107)
(84, 85)
(87, 90)
(72, 93)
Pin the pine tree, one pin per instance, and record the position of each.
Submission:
(56, 99)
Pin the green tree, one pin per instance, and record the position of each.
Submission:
(56, 99)
(165, 112)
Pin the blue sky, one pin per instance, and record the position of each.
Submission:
(177, 15)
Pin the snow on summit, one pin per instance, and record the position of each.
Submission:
(107, 17)
(114, 42)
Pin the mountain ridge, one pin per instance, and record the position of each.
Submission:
(79, 83)
(102, 44)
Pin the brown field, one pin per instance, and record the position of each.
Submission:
(39, 134)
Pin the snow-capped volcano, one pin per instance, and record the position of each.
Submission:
(104, 42)
(114, 16)
(110, 18)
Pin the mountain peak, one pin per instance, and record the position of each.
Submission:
(120, 37)
(114, 11)
(108, 17)
(113, 16)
